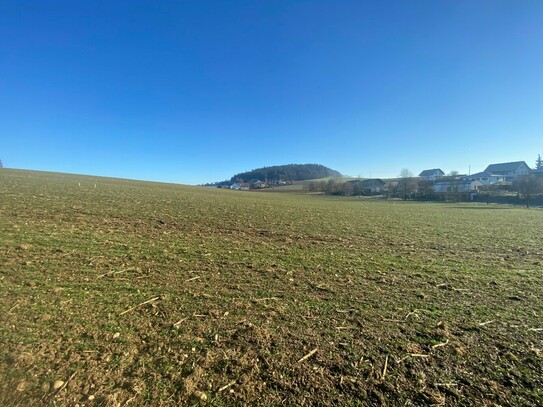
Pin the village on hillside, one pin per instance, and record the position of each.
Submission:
(506, 182)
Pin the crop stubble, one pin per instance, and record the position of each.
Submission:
(160, 294)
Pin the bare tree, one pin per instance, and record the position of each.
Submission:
(392, 188)
(407, 183)
(539, 163)
(347, 188)
(1, 164)
(331, 187)
(425, 189)
(527, 186)
(453, 173)
(357, 188)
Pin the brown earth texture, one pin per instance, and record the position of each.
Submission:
(125, 293)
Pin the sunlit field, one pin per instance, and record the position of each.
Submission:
(120, 292)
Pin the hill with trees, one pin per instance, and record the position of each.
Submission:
(287, 173)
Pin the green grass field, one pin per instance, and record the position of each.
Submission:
(300, 186)
(126, 292)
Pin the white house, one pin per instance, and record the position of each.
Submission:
(431, 175)
(239, 186)
(510, 171)
(485, 178)
(460, 186)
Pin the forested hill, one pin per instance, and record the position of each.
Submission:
(290, 172)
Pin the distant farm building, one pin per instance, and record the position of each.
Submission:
(239, 186)
(370, 186)
(457, 186)
(373, 186)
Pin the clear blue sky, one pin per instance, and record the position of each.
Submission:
(195, 91)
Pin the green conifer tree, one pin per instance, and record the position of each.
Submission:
(539, 163)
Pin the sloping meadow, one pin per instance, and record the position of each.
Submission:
(117, 292)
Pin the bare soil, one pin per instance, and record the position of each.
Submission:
(121, 293)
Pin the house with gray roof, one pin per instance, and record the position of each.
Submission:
(485, 178)
(431, 175)
(369, 186)
(510, 171)
(373, 185)
(457, 186)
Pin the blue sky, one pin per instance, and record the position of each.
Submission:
(195, 91)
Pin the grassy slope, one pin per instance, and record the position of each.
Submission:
(405, 302)
(299, 186)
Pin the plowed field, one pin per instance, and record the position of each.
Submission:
(119, 292)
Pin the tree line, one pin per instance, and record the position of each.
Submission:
(408, 187)
(412, 188)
